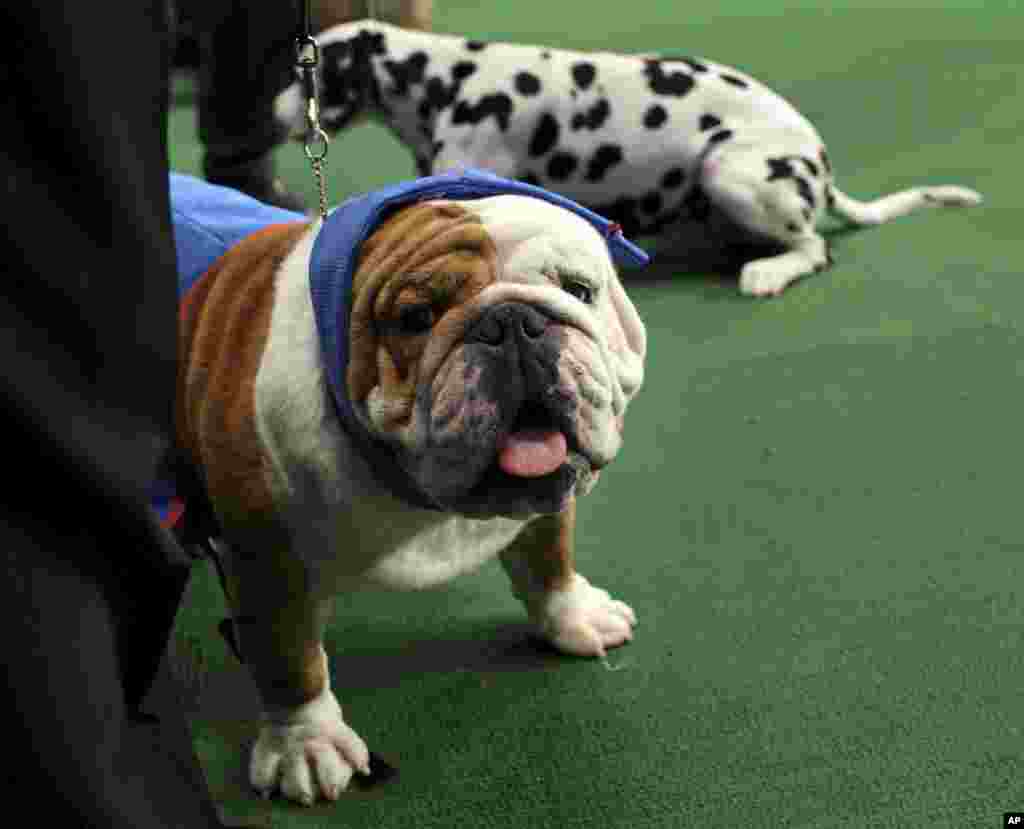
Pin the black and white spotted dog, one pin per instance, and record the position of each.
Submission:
(686, 149)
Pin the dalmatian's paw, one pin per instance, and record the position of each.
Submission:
(764, 277)
(951, 196)
(584, 620)
(308, 753)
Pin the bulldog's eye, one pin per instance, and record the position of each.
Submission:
(584, 293)
(416, 319)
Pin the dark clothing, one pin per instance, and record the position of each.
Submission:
(246, 57)
(90, 580)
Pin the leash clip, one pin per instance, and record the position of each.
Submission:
(316, 141)
(307, 58)
(307, 51)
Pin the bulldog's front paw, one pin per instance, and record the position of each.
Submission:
(308, 753)
(584, 620)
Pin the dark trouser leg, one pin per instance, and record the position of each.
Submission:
(88, 334)
(247, 56)
(67, 729)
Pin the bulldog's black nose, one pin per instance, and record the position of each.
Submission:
(506, 321)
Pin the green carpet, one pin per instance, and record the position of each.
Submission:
(816, 513)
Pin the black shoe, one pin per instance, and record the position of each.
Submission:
(256, 179)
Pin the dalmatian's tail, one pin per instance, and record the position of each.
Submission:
(898, 204)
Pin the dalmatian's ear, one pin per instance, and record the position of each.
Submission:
(627, 337)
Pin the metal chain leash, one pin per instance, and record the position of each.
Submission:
(307, 57)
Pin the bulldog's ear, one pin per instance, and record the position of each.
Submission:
(429, 241)
(627, 337)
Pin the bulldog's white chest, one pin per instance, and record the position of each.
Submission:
(439, 552)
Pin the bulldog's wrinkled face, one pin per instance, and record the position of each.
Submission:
(493, 345)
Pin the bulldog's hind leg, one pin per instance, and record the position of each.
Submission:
(899, 204)
(570, 613)
(305, 749)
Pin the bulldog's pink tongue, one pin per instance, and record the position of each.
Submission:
(532, 453)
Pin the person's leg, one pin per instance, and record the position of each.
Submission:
(247, 56)
(88, 333)
(67, 730)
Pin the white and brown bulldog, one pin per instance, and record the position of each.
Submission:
(429, 378)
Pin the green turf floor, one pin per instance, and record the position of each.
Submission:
(817, 512)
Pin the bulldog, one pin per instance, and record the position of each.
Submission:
(426, 379)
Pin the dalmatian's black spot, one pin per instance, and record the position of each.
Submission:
(651, 203)
(830, 197)
(792, 227)
(594, 117)
(709, 122)
(806, 213)
(370, 43)
(812, 168)
(439, 96)
(604, 158)
(406, 73)
(719, 137)
(674, 178)
(783, 168)
(527, 83)
(583, 73)
(545, 136)
(530, 178)
(339, 80)
(803, 187)
(337, 52)
(655, 116)
(426, 130)
(545, 55)
(779, 168)
(475, 45)
(732, 79)
(697, 205)
(667, 83)
(695, 65)
(825, 160)
(562, 165)
(436, 148)
(463, 69)
(497, 106)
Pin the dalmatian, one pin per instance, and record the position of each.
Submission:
(693, 153)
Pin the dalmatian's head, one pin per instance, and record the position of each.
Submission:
(777, 196)
(345, 79)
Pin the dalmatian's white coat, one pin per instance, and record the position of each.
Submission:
(700, 154)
